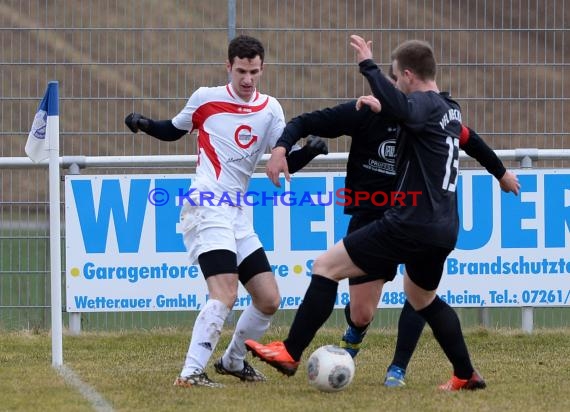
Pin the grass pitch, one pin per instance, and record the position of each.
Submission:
(134, 371)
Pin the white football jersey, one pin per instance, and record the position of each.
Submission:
(232, 136)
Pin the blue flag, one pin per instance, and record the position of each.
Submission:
(37, 146)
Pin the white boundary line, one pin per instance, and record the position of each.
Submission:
(99, 403)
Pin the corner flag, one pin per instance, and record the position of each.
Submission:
(43, 143)
(38, 144)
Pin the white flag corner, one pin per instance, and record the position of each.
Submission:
(37, 145)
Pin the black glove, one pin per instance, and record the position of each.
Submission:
(136, 122)
(316, 145)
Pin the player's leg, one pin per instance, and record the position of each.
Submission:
(420, 283)
(209, 239)
(358, 253)
(364, 295)
(318, 303)
(410, 327)
(359, 312)
(222, 290)
(256, 276)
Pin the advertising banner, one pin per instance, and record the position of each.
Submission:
(124, 248)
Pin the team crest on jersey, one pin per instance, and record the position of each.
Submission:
(387, 150)
(244, 137)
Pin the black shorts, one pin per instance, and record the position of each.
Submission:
(388, 273)
(216, 262)
(376, 246)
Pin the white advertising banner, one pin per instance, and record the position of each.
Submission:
(124, 248)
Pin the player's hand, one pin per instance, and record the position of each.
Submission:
(316, 145)
(276, 164)
(363, 48)
(370, 101)
(510, 183)
(136, 122)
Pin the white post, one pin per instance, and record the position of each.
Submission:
(485, 317)
(52, 134)
(74, 317)
(75, 323)
(526, 158)
(527, 319)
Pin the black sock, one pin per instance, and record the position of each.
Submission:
(313, 312)
(447, 331)
(410, 327)
(360, 329)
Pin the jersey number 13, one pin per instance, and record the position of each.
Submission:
(452, 164)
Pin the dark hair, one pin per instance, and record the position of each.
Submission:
(416, 56)
(245, 47)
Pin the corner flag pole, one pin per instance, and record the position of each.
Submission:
(43, 143)
(52, 134)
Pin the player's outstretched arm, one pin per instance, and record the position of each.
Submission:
(313, 147)
(363, 48)
(394, 102)
(510, 183)
(136, 122)
(161, 129)
(476, 148)
(277, 164)
(369, 101)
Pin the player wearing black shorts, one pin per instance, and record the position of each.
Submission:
(371, 168)
(419, 233)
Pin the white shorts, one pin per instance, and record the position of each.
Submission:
(207, 228)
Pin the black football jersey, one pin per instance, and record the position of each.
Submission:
(371, 163)
(427, 161)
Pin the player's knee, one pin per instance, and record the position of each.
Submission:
(268, 308)
(269, 304)
(418, 297)
(273, 305)
(323, 267)
(319, 266)
(230, 299)
(226, 297)
(361, 316)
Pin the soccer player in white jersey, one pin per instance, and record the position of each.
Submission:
(236, 124)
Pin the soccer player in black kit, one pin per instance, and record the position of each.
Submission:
(419, 235)
(370, 168)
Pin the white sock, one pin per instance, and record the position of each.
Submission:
(205, 336)
(252, 324)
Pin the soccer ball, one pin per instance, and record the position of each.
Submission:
(330, 369)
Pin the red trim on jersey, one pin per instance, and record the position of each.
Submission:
(205, 143)
(229, 89)
(212, 108)
(463, 136)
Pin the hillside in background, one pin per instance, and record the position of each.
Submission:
(506, 63)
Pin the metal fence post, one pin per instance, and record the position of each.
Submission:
(527, 319)
(485, 317)
(74, 317)
(231, 19)
(526, 157)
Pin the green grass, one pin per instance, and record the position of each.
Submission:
(134, 371)
(37, 317)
